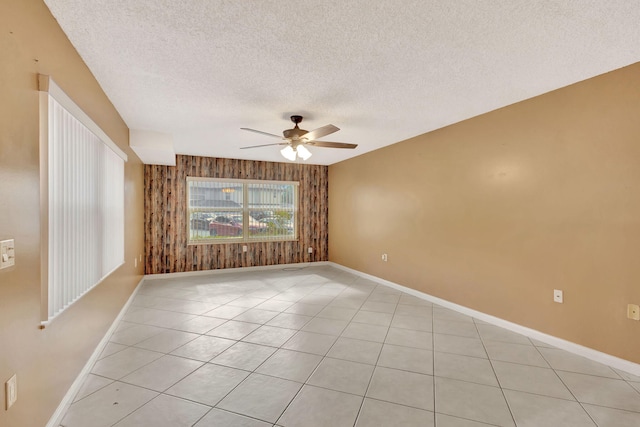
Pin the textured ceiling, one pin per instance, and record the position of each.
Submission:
(382, 70)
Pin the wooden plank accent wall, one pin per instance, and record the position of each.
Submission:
(165, 207)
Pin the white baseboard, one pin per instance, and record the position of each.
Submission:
(56, 418)
(589, 353)
(235, 270)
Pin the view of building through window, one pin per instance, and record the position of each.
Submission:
(222, 211)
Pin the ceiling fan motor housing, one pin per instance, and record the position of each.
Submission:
(295, 133)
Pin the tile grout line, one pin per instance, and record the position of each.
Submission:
(161, 393)
(119, 380)
(203, 364)
(433, 363)
(376, 364)
(324, 357)
(312, 372)
(325, 305)
(506, 401)
(566, 386)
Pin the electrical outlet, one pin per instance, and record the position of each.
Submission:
(310, 250)
(385, 258)
(633, 312)
(11, 391)
(558, 296)
(245, 248)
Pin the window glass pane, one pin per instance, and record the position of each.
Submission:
(215, 210)
(278, 224)
(219, 212)
(199, 225)
(216, 225)
(272, 208)
(215, 194)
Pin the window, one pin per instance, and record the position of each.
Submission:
(82, 199)
(223, 210)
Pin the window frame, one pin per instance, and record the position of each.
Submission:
(244, 210)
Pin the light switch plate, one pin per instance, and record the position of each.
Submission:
(7, 253)
(11, 391)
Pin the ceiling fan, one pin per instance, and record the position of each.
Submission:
(296, 140)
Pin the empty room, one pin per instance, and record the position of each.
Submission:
(319, 213)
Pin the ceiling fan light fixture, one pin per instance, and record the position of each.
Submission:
(288, 153)
(303, 153)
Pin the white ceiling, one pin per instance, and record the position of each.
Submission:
(381, 70)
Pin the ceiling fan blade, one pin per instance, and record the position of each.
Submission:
(265, 145)
(320, 132)
(331, 144)
(263, 133)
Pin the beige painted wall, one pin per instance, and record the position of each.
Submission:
(495, 212)
(47, 361)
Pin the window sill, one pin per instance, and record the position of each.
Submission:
(238, 241)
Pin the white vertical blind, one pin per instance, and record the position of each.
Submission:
(85, 208)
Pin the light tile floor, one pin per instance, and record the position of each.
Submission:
(321, 347)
